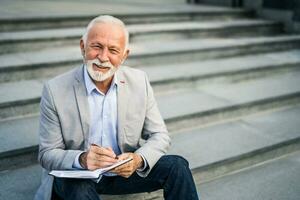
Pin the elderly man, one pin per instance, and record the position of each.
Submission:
(101, 113)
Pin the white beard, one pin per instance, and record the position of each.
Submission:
(98, 75)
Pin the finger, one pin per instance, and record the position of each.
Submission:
(127, 169)
(104, 158)
(123, 156)
(123, 167)
(99, 161)
(125, 174)
(111, 150)
(101, 164)
(103, 151)
(118, 170)
(93, 167)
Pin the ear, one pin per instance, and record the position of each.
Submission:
(82, 47)
(125, 55)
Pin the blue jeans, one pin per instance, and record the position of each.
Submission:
(171, 173)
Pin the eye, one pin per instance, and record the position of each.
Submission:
(114, 51)
(96, 46)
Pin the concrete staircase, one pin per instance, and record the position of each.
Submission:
(227, 84)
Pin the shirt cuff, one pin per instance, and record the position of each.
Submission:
(76, 163)
(145, 164)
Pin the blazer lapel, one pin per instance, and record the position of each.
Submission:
(82, 103)
(122, 98)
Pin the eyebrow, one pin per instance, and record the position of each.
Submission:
(110, 47)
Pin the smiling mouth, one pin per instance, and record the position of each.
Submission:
(100, 67)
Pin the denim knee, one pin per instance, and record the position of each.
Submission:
(181, 161)
(177, 161)
(75, 189)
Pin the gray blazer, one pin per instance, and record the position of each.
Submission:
(65, 121)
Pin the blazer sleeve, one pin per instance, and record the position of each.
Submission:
(154, 131)
(52, 154)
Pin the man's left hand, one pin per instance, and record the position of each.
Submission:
(129, 168)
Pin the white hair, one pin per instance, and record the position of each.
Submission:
(106, 19)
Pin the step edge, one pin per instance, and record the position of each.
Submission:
(150, 54)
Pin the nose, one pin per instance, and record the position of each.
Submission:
(103, 55)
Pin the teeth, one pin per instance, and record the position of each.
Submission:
(99, 65)
(102, 67)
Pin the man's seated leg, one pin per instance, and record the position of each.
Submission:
(74, 189)
(171, 173)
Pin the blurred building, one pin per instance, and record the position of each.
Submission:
(286, 11)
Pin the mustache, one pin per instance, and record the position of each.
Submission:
(101, 64)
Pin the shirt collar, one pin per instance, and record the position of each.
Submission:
(90, 85)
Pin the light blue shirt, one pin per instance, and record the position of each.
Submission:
(103, 114)
(104, 117)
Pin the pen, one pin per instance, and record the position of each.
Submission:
(116, 157)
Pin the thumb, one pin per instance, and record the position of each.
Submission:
(123, 156)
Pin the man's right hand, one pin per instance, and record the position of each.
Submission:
(97, 157)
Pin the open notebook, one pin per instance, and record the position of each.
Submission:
(86, 173)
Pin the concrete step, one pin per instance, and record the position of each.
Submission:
(241, 67)
(142, 15)
(30, 65)
(214, 151)
(276, 180)
(183, 109)
(21, 142)
(210, 103)
(233, 69)
(15, 102)
(200, 49)
(20, 98)
(39, 39)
